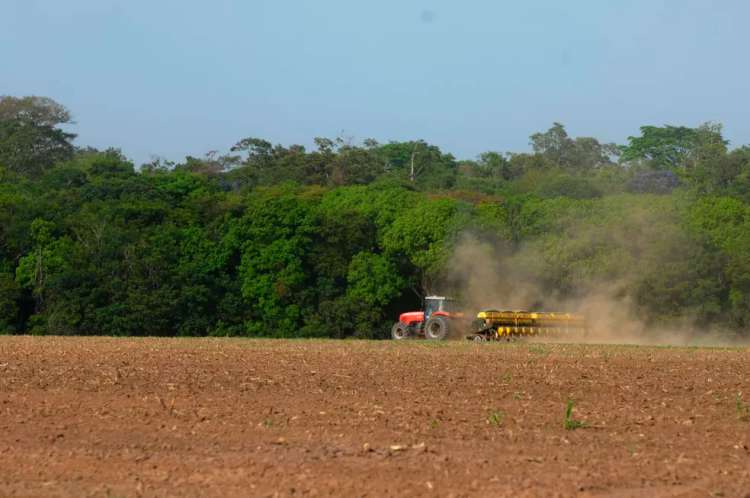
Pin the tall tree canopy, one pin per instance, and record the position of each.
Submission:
(672, 147)
(581, 153)
(31, 139)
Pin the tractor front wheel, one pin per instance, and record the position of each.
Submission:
(400, 331)
(436, 328)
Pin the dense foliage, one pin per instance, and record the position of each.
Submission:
(269, 240)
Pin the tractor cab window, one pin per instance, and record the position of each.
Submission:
(433, 304)
(449, 305)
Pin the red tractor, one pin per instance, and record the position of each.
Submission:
(435, 322)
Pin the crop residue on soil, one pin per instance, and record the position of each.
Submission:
(172, 417)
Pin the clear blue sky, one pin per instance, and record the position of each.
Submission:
(177, 77)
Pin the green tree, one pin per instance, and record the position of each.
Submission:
(37, 271)
(9, 297)
(579, 154)
(374, 279)
(495, 165)
(422, 164)
(422, 237)
(272, 240)
(673, 147)
(31, 139)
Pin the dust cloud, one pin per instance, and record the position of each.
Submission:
(486, 274)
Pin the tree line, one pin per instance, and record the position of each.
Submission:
(273, 240)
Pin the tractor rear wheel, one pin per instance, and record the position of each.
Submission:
(400, 331)
(436, 328)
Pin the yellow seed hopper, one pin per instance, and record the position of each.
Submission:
(496, 325)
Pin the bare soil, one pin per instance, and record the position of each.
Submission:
(233, 418)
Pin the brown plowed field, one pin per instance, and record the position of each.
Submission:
(231, 418)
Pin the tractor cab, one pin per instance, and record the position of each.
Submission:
(438, 304)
